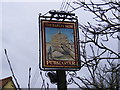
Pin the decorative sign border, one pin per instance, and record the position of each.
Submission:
(59, 45)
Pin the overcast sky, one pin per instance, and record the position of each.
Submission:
(19, 27)
(20, 38)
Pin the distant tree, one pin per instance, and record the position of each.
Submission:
(96, 48)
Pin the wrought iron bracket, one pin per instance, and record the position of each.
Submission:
(59, 15)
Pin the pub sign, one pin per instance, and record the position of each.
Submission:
(59, 45)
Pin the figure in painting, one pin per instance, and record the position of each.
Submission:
(50, 53)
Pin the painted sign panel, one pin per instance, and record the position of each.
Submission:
(59, 45)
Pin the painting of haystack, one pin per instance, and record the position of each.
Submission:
(60, 45)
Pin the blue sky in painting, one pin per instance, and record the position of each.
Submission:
(51, 31)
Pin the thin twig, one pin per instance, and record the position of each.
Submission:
(29, 78)
(12, 70)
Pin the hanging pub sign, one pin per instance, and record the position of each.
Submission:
(59, 45)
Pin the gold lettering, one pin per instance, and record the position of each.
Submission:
(68, 26)
(73, 63)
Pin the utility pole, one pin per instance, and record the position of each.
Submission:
(119, 48)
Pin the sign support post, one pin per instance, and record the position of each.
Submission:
(61, 80)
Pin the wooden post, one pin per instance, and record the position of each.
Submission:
(61, 80)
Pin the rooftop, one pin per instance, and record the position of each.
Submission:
(4, 81)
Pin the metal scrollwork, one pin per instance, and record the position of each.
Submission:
(52, 76)
(71, 75)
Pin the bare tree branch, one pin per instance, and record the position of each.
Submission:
(11, 69)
